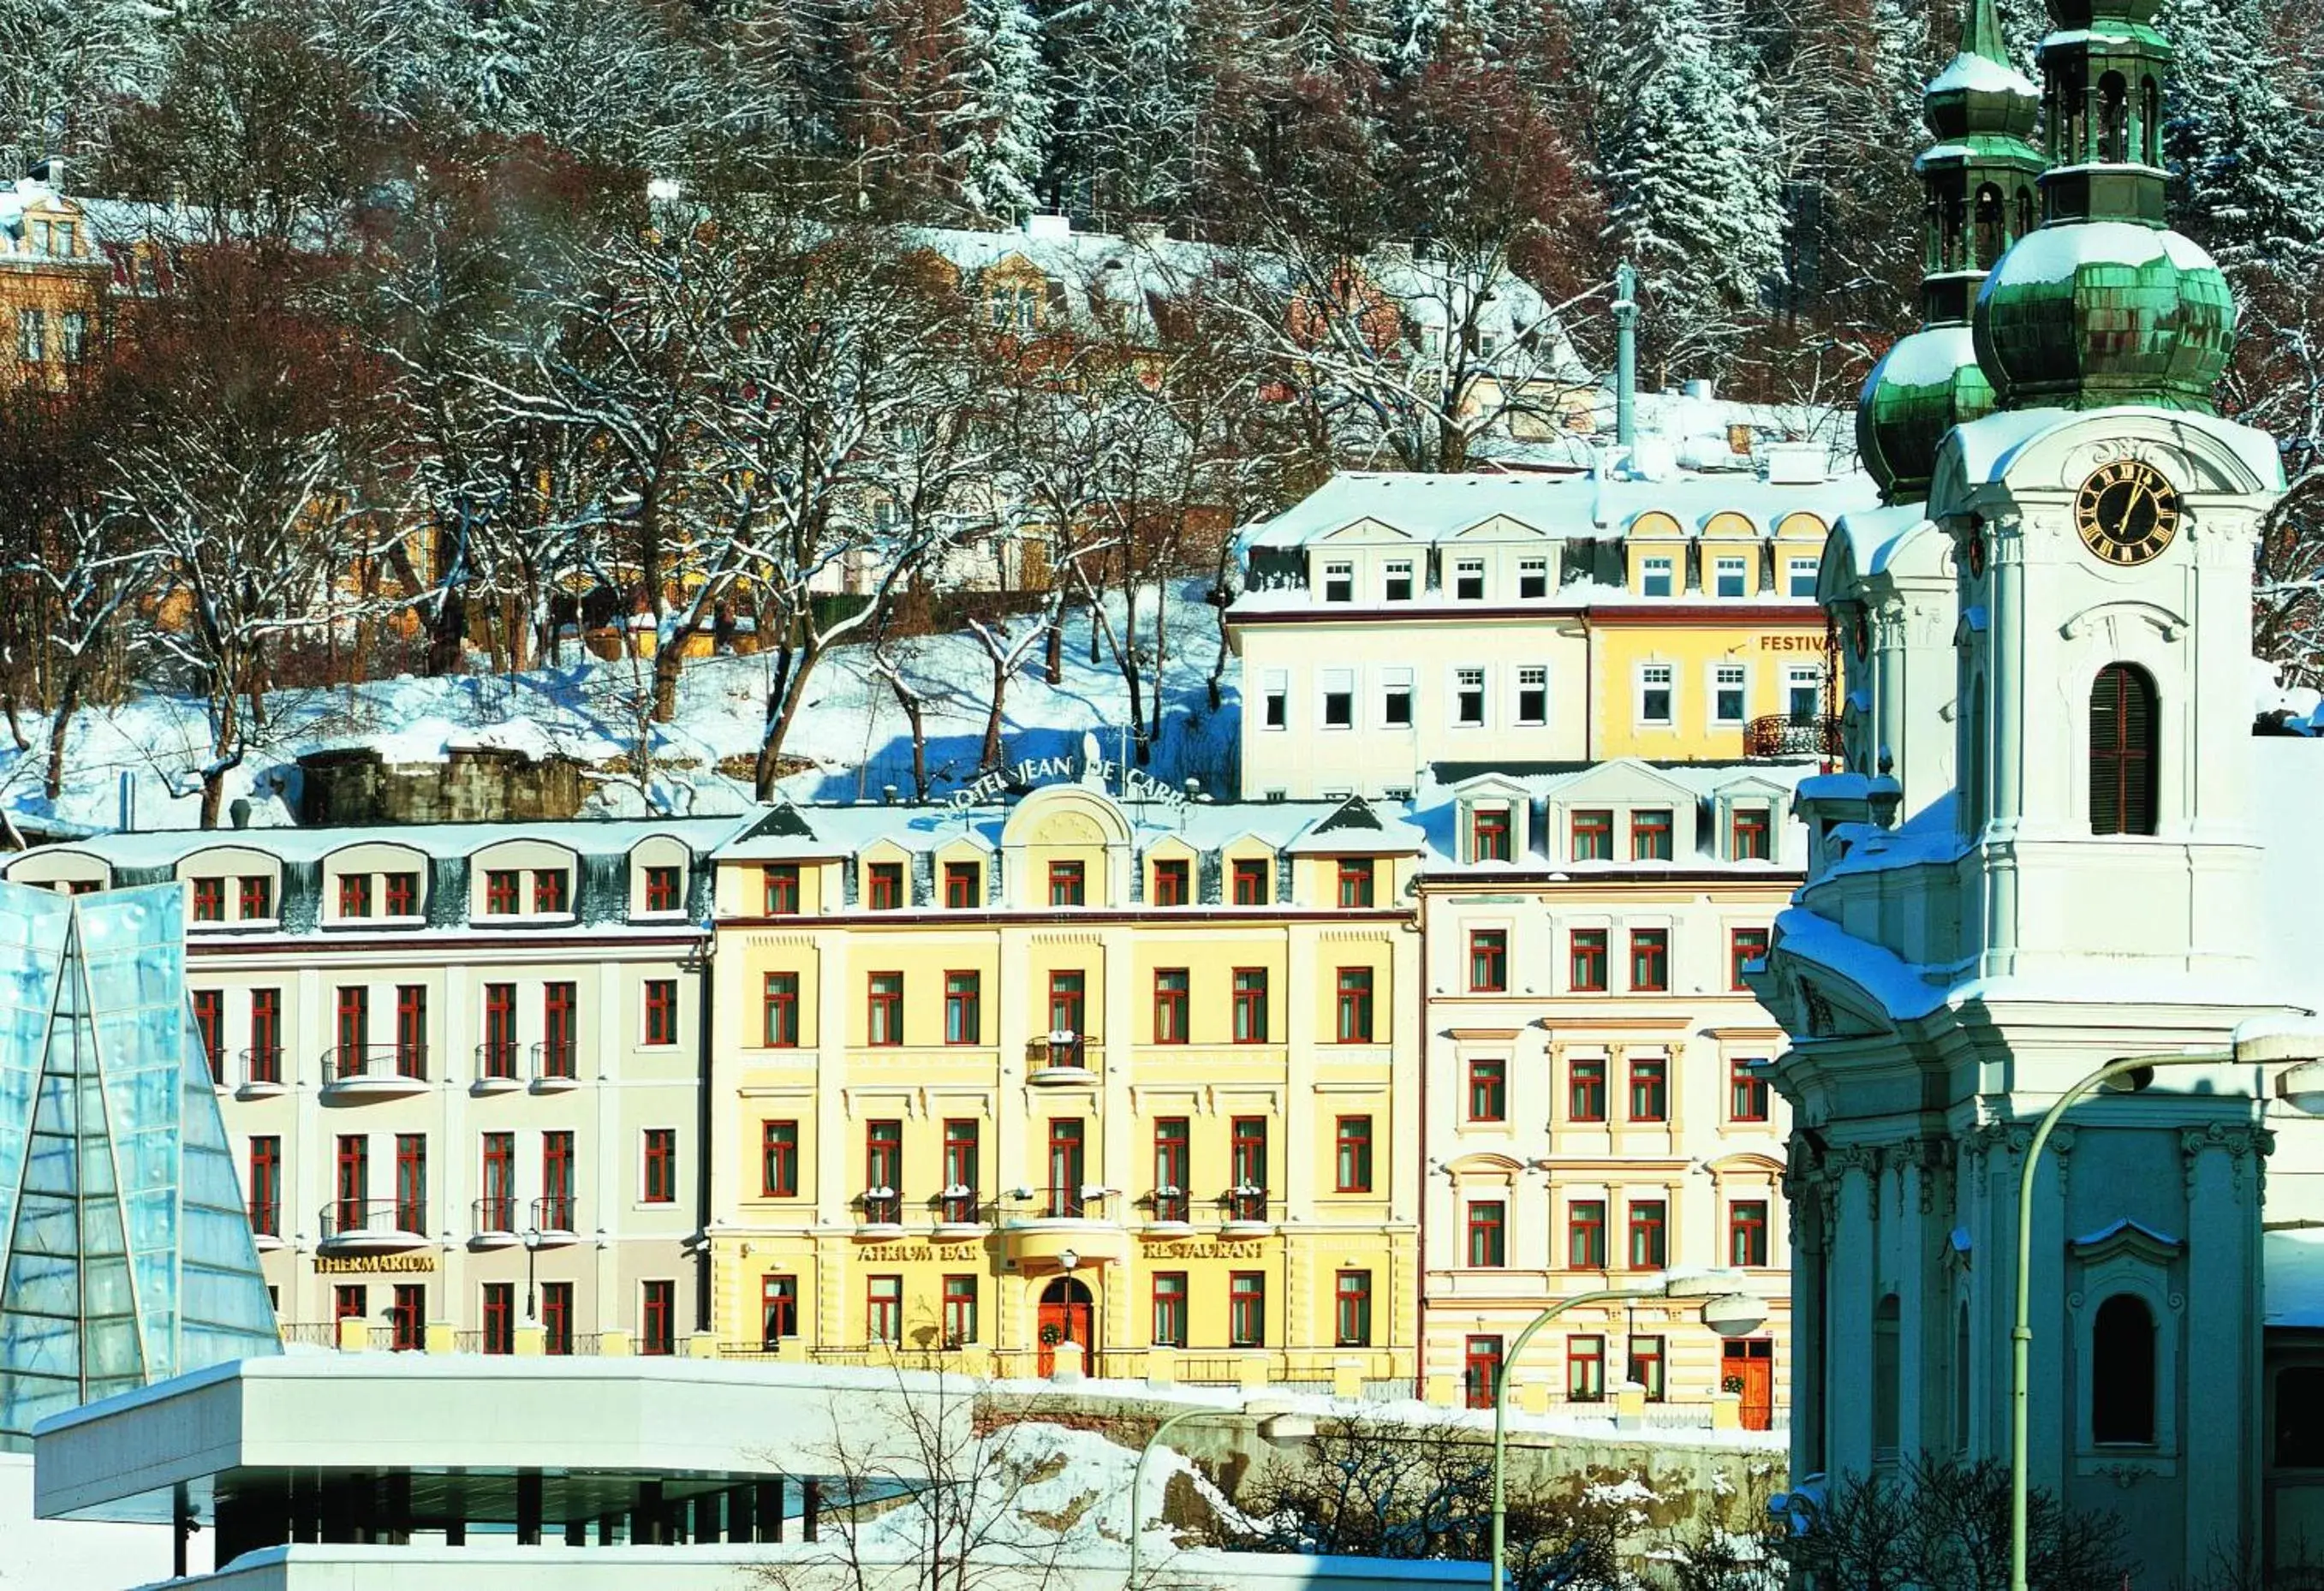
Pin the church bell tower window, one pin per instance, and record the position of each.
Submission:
(2122, 1373)
(2123, 733)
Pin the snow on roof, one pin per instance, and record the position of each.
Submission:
(1436, 810)
(1990, 446)
(1970, 73)
(821, 832)
(1875, 537)
(2055, 252)
(163, 848)
(1930, 357)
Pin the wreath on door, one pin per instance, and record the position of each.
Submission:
(1733, 1384)
(1052, 1334)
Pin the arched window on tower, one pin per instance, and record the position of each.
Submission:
(2025, 211)
(2122, 1372)
(2123, 734)
(2114, 119)
(1992, 219)
(2070, 116)
(2150, 123)
(1956, 222)
(1888, 1376)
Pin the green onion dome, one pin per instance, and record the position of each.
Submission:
(1924, 386)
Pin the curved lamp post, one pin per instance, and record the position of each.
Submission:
(1727, 1310)
(1279, 1422)
(2301, 1087)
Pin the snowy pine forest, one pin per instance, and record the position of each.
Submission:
(485, 322)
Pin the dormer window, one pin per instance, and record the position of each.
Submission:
(1650, 834)
(780, 889)
(1355, 881)
(1655, 577)
(1533, 579)
(1469, 580)
(1171, 882)
(500, 892)
(1251, 881)
(1801, 574)
(1728, 575)
(354, 895)
(257, 898)
(209, 900)
(1593, 836)
(960, 886)
(1068, 884)
(403, 892)
(552, 893)
(1488, 832)
(1748, 828)
(1339, 583)
(664, 889)
(1397, 584)
(884, 886)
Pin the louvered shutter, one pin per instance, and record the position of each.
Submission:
(2122, 735)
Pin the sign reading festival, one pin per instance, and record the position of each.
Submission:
(1088, 769)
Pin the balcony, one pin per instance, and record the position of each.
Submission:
(1174, 1213)
(493, 1223)
(882, 1220)
(557, 1221)
(1061, 1060)
(1067, 1227)
(371, 1225)
(496, 1068)
(265, 1225)
(1246, 1215)
(553, 1068)
(960, 1217)
(261, 1072)
(1783, 735)
(354, 1070)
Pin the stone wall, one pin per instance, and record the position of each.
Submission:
(472, 784)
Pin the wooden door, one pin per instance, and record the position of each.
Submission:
(1061, 1322)
(1749, 1368)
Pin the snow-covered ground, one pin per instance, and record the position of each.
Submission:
(850, 726)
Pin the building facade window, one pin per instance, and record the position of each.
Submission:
(1170, 1309)
(559, 1046)
(1747, 1089)
(1533, 579)
(1469, 698)
(1749, 833)
(960, 886)
(1247, 1165)
(556, 1205)
(1650, 960)
(959, 1310)
(1489, 1089)
(500, 892)
(883, 1016)
(496, 1169)
(1585, 1233)
(1351, 1308)
(1068, 884)
(2123, 751)
(1067, 1008)
(1352, 1161)
(884, 889)
(1489, 833)
(1068, 1166)
(257, 898)
(658, 1317)
(1396, 699)
(1593, 836)
(2122, 1372)
(1250, 882)
(778, 1309)
(660, 1006)
(782, 1010)
(962, 1137)
(1727, 576)
(1585, 1369)
(662, 891)
(883, 1309)
(963, 1008)
(1488, 961)
(209, 1027)
(209, 900)
(1172, 1201)
(1656, 576)
(1656, 692)
(1649, 1235)
(266, 1185)
(1729, 690)
(1339, 583)
(1469, 580)
(354, 895)
(1645, 1365)
(1172, 879)
(1355, 882)
(551, 894)
(1249, 1004)
(1481, 1371)
(499, 1334)
(1339, 694)
(1744, 946)
(1649, 1089)
(883, 1173)
(1586, 959)
(265, 1058)
(1585, 1089)
(1532, 696)
(1650, 834)
(780, 889)
(658, 1158)
(556, 1317)
(1353, 1006)
(1487, 1234)
(407, 1315)
(1170, 1016)
(1746, 1233)
(779, 1160)
(1247, 1309)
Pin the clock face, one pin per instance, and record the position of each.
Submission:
(2128, 512)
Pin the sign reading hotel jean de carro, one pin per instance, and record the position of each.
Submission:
(1088, 769)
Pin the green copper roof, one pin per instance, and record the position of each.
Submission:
(1927, 384)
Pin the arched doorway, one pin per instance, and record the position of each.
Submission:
(1066, 1315)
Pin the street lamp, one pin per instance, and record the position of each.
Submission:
(2300, 1040)
(1280, 1423)
(531, 1302)
(1727, 1310)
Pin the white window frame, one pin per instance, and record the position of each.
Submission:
(1530, 566)
(1393, 680)
(1518, 695)
(1743, 713)
(1390, 571)
(1462, 569)
(1330, 683)
(1792, 570)
(1722, 566)
(1645, 682)
(1658, 564)
(1340, 571)
(1275, 686)
(1484, 698)
(1796, 675)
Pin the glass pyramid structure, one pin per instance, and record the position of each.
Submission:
(125, 1255)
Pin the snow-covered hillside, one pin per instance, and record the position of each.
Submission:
(144, 752)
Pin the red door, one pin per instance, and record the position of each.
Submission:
(1064, 1317)
(1748, 1367)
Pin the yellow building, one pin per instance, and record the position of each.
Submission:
(1132, 1074)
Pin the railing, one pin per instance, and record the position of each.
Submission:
(1173, 1207)
(553, 1060)
(558, 1212)
(1247, 1207)
(959, 1210)
(351, 1218)
(883, 1209)
(262, 1066)
(496, 1060)
(1210, 1370)
(495, 1216)
(1058, 1054)
(266, 1219)
(1068, 1201)
(382, 1339)
(375, 1063)
(1783, 735)
(467, 1342)
(312, 1333)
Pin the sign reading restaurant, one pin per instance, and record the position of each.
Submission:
(1088, 769)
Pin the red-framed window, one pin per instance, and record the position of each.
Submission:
(1171, 1200)
(1352, 1155)
(779, 889)
(1650, 960)
(210, 1023)
(354, 1027)
(266, 1037)
(1247, 1165)
(961, 1138)
(1353, 1023)
(501, 891)
(1592, 834)
(782, 1010)
(663, 889)
(1170, 1017)
(402, 894)
(2125, 745)
(1351, 1308)
(1645, 1365)
(352, 1184)
(1649, 1088)
(499, 1334)
(657, 1317)
(1586, 959)
(1744, 946)
(1649, 1235)
(552, 891)
(959, 1310)
(1250, 1004)
(661, 1010)
(1746, 1233)
(556, 1169)
(1250, 884)
(1650, 834)
(1489, 833)
(257, 897)
(209, 900)
(1488, 1089)
(1585, 1369)
(556, 1317)
(496, 1208)
(1068, 884)
(960, 886)
(1355, 881)
(350, 1300)
(659, 1159)
(266, 1185)
(354, 895)
(1173, 883)
(499, 1057)
(1585, 1233)
(1585, 1089)
(1068, 1165)
(883, 1172)
(779, 1160)
(1170, 1309)
(1747, 1089)
(1247, 1309)
(1487, 1228)
(963, 1008)
(884, 886)
(1481, 1371)
(883, 1016)
(408, 1316)
(559, 1047)
(778, 1309)
(883, 1309)
(1067, 1011)
(1747, 834)
(411, 1181)
(412, 1029)
(1488, 961)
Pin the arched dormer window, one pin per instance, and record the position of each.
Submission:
(1992, 221)
(2123, 733)
(2122, 1372)
(2114, 119)
(2150, 122)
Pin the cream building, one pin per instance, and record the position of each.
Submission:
(458, 1065)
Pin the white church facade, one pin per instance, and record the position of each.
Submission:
(2058, 843)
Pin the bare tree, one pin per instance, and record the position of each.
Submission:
(1945, 1521)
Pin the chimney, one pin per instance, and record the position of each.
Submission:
(1626, 354)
